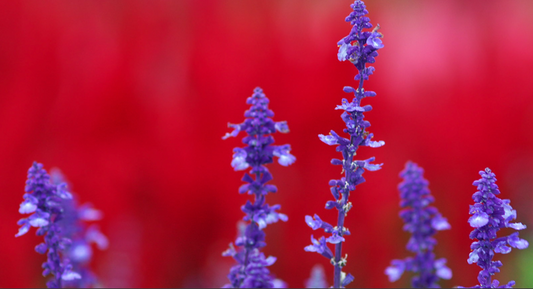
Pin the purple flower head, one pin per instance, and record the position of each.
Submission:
(423, 222)
(67, 238)
(489, 215)
(44, 201)
(359, 47)
(251, 270)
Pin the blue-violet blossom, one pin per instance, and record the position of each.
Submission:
(251, 270)
(74, 227)
(423, 222)
(359, 47)
(489, 215)
(43, 200)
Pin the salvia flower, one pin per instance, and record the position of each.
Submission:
(489, 215)
(359, 47)
(43, 200)
(251, 270)
(74, 226)
(423, 222)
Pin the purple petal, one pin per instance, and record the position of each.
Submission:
(395, 271)
(278, 283)
(518, 243)
(314, 224)
(516, 226)
(23, 230)
(270, 260)
(347, 280)
(39, 219)
(282, 126)
(444, 273)
(69, 275)
(87, 213)
(41, 248)
(311, 248)
(81, 253)
(335, 239)
(473, 257)
(440, 223)
(328, 139)
(502, 248)
(234, 133)
(27, 207)
(239, 160)
(342, 54)
(479, 220)
(286, 159)
(375, 41)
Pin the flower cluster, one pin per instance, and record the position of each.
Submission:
(423, 222)
(67, 238)
(73, 226)
(251, 269)
(44, 201)
(359, 48)
(489, 215)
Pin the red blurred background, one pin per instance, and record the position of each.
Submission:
(131, 98)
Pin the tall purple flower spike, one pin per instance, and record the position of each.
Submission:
(359, 47)
(74, 226)
(43, 200)
(489, 215)
(251, 270)
(423, 222)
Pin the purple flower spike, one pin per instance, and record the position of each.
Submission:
(489, 215)
(422, 221)
(67, 242)
(251, 270)
(359, 47)
(44, 200)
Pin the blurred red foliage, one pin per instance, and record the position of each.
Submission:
(131, 98)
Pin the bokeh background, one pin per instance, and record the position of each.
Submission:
(130, 100)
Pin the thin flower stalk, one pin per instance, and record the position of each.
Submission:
(360, 48)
